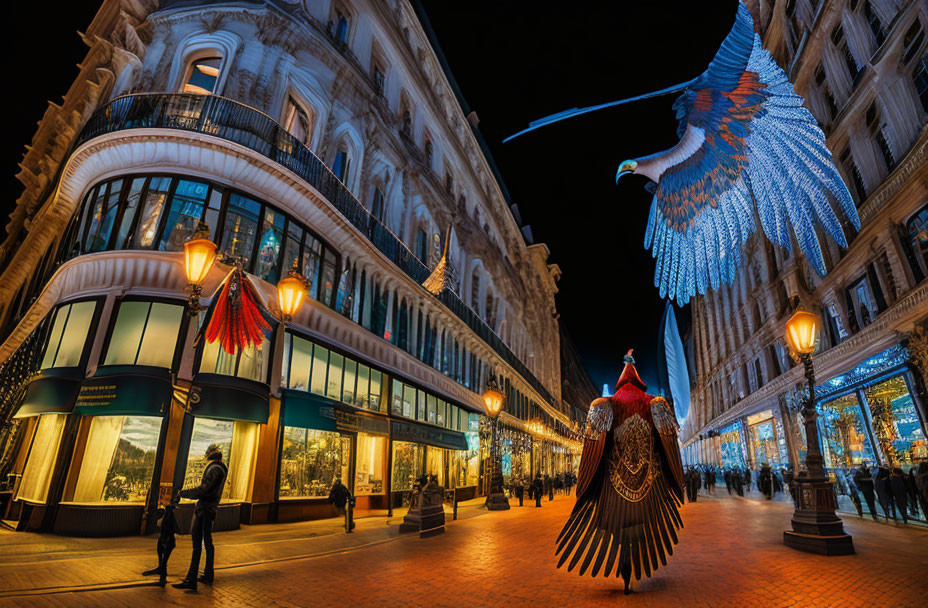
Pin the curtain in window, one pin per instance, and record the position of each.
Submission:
(41, 462)
(242, 459)
(98, 455)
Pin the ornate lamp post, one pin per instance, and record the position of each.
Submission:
(199, 255)
(493, 404)
(291, 293)
(816, 526)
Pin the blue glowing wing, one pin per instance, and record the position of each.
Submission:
(678, 377)
(747, 144)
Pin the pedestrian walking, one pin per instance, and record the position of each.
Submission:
(538, 489)
(340, 497)
(569, 481)
(864, 482)
(884, 492)
(208, 494)
(518, 489)
(912, 490)
(900, 496)
(549, 487)
(921, 483)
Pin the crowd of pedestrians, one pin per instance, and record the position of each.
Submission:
(900, 495)
(521, 486)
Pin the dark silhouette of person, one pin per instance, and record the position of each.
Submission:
(569, 481)
(900, 495)
(538, 489)
(921, 483)
(167, 529)
(884, 492)
(747, 479)
(726, 475)
(864, 482)
(788, 478)
(912, 490)
(208, 494)
(518, 490)
(340, 496)
(738, 482)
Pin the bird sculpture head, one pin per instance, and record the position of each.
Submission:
(626, 167)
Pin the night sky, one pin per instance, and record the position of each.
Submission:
(514, 62)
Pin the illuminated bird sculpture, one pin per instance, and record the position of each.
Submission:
(747, 147)
(629, 485)
(236, 317)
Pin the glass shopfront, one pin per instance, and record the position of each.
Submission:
(311, 461)
(764, 439)
(370, 465)
(896, 424)
(238, 440)
(40, 462)
(845, 443)
(732, 446)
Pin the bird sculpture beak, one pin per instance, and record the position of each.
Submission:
(626, 168)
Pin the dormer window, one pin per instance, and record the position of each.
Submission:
(377, 204)
(203, 76)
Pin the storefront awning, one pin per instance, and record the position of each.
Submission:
(228, 398)
(351, 419)
(429, 435)
(53, 392)
(308, 411)
(126, 390)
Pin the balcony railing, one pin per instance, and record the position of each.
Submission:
(236, 122)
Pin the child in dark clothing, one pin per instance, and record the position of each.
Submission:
(166, 541)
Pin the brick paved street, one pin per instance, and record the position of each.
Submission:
(731, 554)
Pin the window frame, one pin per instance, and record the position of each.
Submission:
(181, 334)
(91, 331)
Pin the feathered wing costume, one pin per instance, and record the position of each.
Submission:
(236, 317)
(747, 147)
(629, 487)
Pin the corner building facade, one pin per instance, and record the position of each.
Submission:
(324, 134)
(862, 67)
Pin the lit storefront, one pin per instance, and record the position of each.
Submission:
(767, 441)
(732, 445)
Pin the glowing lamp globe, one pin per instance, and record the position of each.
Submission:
(492, 402)
(291, 293)
(199, 255)
(801, 332)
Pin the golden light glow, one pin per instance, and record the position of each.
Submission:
(801, 332)
(291, 293)
(199, 255)
(492, 402)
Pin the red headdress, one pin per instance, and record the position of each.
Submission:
(630, 374)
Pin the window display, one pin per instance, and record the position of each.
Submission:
(764, 443)
(844, 434)
(238, 441)
(895, 422)
(370, 464)
(732, 452)
(408, 465)
(118, 459)
(311, 460)
(41, 460)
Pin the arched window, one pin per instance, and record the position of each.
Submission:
(202, 76)
(475, 291)
(377, 203)
(298, 122)
(917, 230)
(342, 163)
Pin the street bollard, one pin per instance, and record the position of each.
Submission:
(454, 515)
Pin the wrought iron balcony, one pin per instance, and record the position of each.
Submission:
(236, 122)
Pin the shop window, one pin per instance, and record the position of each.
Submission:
(861, 306)
(118, 459)
(835, 326)
(917, 230)
(184, 213)
(130, 207)
(155, 198)
(298, 122)
(202, 76)
(238, 441)
(240, 227)
(320, 369)
(291, 247)
(329, 264)
(409, 401)
(844, 433)
(369, 464)
(142, 334)
(310, 367)
(348, 383)
(68, 335)
(431, 408)
(312, 264)
(334, 382)
(435, 464)
(40, 463)
(408, 465)
(895, 422)
(249, 363)
(311, 461)
(272, 233)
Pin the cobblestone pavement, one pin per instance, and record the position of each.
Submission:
(730, 554)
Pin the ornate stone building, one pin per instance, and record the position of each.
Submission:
(324, 134)
(862, 67)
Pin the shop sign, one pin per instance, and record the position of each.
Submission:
(125, 394)
(356, 423)
(434, 436)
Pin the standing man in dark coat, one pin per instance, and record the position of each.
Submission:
(912, 489)
(737, 481)
(884, 492)
(569, 482)
(864, 482)
(538, 489)
(726, 475)
(517, 489)
(208, 494)
(765, 481)
(900, 496)
(340, 496)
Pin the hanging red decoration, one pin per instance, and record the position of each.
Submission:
(236, 316)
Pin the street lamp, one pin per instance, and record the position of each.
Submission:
(816, 526)
(291, 292)
(199, 255)
(493, 404)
